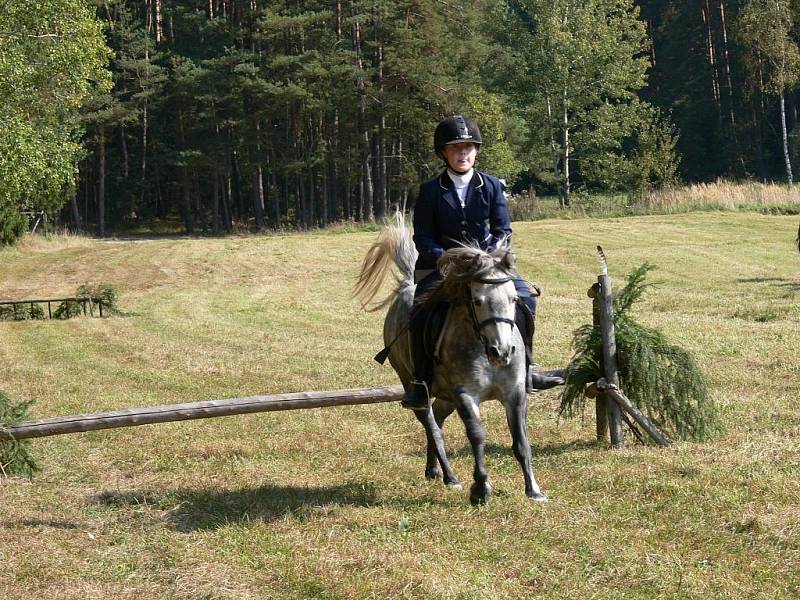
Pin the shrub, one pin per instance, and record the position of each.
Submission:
(104, 292)
(21, 312)
(12, 223)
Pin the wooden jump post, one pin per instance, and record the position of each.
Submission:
(612, 406)
(199, 410)
(84, 300)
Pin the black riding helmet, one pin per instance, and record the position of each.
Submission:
(455, 130)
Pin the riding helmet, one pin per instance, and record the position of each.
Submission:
(456, 130)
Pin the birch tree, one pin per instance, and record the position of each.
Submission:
(580, 63)
(51, 58)
(773, 57)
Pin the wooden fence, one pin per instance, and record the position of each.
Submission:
(86, 301)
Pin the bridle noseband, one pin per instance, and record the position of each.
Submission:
(491, 320)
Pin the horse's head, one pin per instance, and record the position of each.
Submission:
(486, 283)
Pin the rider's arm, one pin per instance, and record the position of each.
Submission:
(425, 230)
(499, 218)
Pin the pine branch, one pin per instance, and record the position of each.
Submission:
(662, 379)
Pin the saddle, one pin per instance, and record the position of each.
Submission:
(432, 337)
(434, 330)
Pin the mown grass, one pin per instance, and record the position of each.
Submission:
(331, 503)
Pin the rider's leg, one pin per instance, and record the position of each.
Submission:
(418, 397)
(526, 322)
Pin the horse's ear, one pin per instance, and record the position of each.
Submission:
(509, 260)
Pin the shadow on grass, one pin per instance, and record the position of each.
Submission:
(38, 523)
(550, 450)
(779, 282)
(189, 510)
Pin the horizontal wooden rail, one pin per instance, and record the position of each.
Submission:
(68, 299)
(199, 410)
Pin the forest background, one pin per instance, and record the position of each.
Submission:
(228, 115)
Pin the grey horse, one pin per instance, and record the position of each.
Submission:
(481, 353)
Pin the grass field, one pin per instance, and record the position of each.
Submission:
(331, 503)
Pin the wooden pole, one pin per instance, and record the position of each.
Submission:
(199, 410)
(613, 392)
(600, 402)
(610, 358)
(609, 349)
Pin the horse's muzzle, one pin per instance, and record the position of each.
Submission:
(498, 357)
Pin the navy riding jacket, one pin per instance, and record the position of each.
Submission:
(441, 222)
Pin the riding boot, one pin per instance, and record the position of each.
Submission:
(543, 380)
(534, 380)
(418, 397)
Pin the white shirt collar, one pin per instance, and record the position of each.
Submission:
(461, 180)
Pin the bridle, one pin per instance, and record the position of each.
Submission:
(492, 319)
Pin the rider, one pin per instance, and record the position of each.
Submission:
(452, 209)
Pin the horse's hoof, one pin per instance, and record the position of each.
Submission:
(432, 475)
(480, 494)
(454, 485)
(539, 498)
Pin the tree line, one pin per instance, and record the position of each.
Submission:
(230, 114)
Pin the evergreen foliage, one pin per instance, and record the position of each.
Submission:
(242, 115)
(68, 309)
(662, 379)
(15, 457)
(21, 312)
(104, 292)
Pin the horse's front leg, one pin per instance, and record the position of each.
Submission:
(469, 412)
(435, 453)
(442, 410)
(517, 416)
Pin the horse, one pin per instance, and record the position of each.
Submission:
(481, 354)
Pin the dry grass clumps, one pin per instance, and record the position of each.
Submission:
(724, 195)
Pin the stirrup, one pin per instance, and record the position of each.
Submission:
(545, 380)
(418, 398)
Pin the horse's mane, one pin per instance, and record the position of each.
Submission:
(462, 264)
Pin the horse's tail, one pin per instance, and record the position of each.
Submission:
(393, 247)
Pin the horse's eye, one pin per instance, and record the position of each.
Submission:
(477, 301)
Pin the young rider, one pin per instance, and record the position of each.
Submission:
(453, 208)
